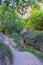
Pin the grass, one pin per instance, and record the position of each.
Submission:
(5, 51)
(35, 52)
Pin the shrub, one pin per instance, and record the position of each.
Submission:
(16, 38)
(10, 22)
(40, 1)
(35, 20)
(36, 6)
(5, 51)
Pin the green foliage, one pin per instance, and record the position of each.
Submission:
(35, 52)
(10, 22)
(18, 2)
(36, 6)
(6, 3)
(16, 38)
(35, 20)
(5, 51)
(40, 1)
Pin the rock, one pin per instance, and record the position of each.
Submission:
(41, 47)
(34, 38)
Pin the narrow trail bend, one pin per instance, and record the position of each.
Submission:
(21, 58)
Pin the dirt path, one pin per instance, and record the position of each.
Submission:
(26, 58)
(21, 58)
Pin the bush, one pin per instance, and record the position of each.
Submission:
(35, 20)
(36, 6)
(16, 38)
(10, 22)
(40, 1)
(5, 52)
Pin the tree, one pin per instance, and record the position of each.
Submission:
(22, 4)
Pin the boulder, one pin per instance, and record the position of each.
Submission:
(34, 39)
